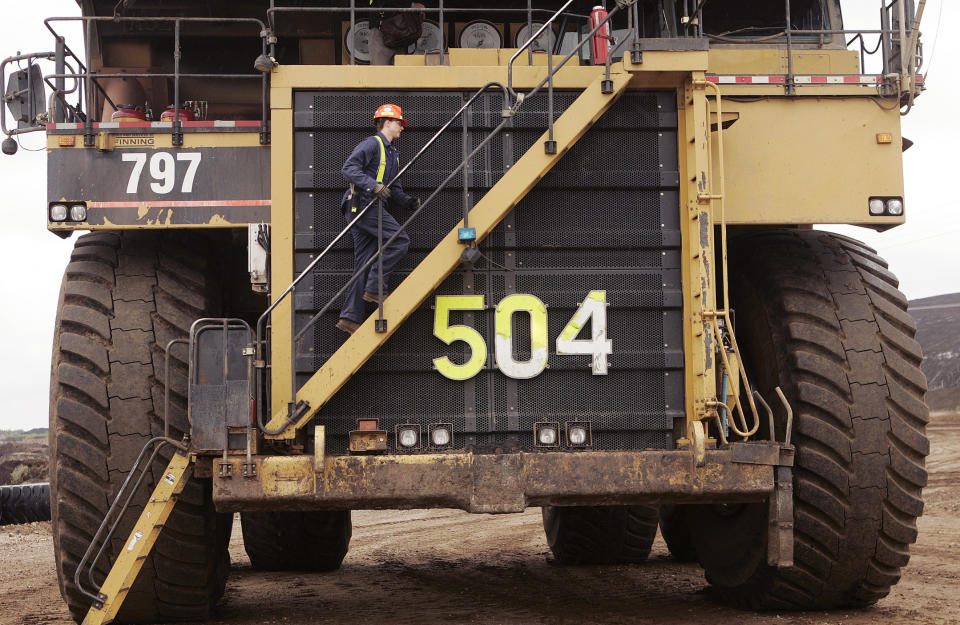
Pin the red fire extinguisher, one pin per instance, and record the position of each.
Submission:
(186, 114)
(128, 113)
(600, 42)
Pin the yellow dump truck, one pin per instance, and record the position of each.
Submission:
(614, 305)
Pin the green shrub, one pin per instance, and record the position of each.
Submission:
(19, 474)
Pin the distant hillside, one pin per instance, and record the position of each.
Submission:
(16, 435)
(938, 330)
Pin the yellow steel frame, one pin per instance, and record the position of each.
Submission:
(285, 80)
(683, 71)
(697, 246)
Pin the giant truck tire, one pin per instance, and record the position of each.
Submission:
(123, 298)
(600, 534)
(675, 529)
(296, 541)
(820, 316)
(24, 503)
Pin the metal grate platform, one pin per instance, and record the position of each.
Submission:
(605, 218)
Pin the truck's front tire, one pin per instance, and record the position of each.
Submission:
(124, 296)
(600, 534)
(820, 316)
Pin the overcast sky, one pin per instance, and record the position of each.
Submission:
(923, 253)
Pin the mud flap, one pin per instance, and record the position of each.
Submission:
(780, 517)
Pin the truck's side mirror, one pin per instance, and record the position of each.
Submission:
(25, 96)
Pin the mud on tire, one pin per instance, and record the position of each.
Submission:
(600, 534)
(296, 541)
(123, 298)
(820, 316)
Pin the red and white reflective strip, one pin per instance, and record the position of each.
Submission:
(179, 203)
(800, 79)
(169, 124)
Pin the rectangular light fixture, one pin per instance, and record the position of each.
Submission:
(578, 433)
(546, 434)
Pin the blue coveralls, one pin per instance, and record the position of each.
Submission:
(360, 170)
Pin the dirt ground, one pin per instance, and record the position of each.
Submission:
(443, 566)
(23, 460)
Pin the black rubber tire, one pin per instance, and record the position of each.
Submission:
(820, 315)
(600, 534)
(24, 503)
(123, 297)
(296, 541)
(676, 532)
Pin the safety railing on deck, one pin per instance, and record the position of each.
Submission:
(87, 84)
(897, 37)
(897, 42)
(897, 26)
(443, 14)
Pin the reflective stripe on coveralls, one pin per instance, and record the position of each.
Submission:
(382, 168)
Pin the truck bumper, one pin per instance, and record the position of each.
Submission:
(494, 483)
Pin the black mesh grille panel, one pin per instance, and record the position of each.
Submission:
(605, 218)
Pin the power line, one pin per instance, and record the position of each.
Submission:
(936, 38)
(933, 306)
(932, 236)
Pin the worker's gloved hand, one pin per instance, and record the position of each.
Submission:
(382, 191)
(413, 204)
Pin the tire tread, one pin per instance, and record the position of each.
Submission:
(600, 534)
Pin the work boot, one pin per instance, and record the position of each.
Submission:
(372, 297)
(347, 325)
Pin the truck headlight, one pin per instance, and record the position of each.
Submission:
(58, 212)
(78, 212)
(578, 434)
(408, 436)
(880, 206)
(545, 434)
(441, 434)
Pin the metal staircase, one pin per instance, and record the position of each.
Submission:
(447, 254)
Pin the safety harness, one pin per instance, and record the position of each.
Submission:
(380, 171)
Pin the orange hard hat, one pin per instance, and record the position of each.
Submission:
(391, 111)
